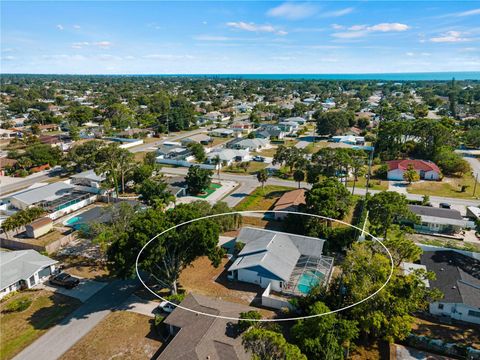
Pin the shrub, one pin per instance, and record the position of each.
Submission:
(247, 319)
(175, 298)
(17, 305)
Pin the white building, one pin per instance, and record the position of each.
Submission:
(458, 278)
(23, 269)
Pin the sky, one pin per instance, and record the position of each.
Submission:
(235, 37)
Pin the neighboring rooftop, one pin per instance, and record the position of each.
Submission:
(205, 337)
(436, 212)
(416, 164)
(48, 192)
(457, 276)
(89, 175)
(20, 265)
(290, 198)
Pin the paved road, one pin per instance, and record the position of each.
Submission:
(248, 183)
(155, 144)
(24, 183)
(55, 342)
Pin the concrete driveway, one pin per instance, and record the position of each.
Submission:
(85, 290)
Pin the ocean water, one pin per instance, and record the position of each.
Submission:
(415, 76)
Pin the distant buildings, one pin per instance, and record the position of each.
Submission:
(427, 170)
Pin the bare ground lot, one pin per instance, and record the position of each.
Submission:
(121, 335)
(19, 329)
(203, 278)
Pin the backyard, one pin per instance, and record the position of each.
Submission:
(263, 199)
(20, 329)
(121, 335)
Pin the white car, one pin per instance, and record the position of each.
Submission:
(165, 306)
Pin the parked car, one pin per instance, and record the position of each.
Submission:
(64, 280)
(165, 306)
(445, 206)
(259, 158)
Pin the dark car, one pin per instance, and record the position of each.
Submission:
(64, 280)
(445, 206)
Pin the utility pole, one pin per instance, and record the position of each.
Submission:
(369, 175)
(475, 185)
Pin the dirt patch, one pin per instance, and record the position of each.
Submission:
(20, 329)
(366, 351)
(466, 335)
(121, 335)
(203, 278)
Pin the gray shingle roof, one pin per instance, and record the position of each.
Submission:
(436, 212)
(20, 265)
(204, 336)
(90, 175)
(274, 251)
(457, 276)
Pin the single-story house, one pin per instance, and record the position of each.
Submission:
(348, 139)
(427, 170)
(473, 212)
(290, 127)
(176, 185)
(249, 144)
(88, 180)
(458, 278)
(9, 133)
(285, 262)
(198, 138)
(39, 227)
(49, 127)
(200, 337)
(269, 131)
(221, 132)
(5, 162)
(242, 127)
(23, 269)
(297, 119)
(289, 201)
(228, 156)
(439, 220)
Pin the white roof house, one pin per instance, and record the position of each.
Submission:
(297, 119)
(251, 144)
(228, 155)
(23, 268)
(48, 192)
(221, 132)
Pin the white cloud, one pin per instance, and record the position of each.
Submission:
(60, 27)
(103, 44)
(409, 54)
(255, 27)
(8, 58)
(357, 31)
(449, 37)
(337, 27)
(293, 11)
(337, 13)
(211, 38)
(469, 13)
(167, 57)
(76, 27)
(80, 45)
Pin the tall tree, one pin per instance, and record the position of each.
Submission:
(262, 177)
(198, 179)
(270, 345)
(329, 198)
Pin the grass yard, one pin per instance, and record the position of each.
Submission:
(448, 187)
(20, 329)
(139, 156)
(314, 147)
(84, 268)
(375, 184)
(266, 152)
(218, 141)
(253, 168)
(209, 191)
(121, 335)
(263, 199)
(443, 242)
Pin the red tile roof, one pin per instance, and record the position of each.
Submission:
(416, 164)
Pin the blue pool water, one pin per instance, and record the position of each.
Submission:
(309, 280)
(73, 220)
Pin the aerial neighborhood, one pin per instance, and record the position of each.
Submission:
(263, 200)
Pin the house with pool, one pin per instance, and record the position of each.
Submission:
(282, 263)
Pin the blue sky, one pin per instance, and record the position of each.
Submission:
(120, 37)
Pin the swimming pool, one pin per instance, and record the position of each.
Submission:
(308, 280)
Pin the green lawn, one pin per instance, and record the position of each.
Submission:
(448, 187)
(263, 199)
(375, 184)
(19, 329)
(209, 191)
(253, 168)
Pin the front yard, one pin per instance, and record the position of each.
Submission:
(263, 199)
(121, 335)
(448, 187)
(253, 168)
(19, 329)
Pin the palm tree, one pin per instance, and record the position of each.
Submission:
(358, 169)
(262, 176)
(299, 176)
(216, 161)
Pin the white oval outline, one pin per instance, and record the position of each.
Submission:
(263, 212)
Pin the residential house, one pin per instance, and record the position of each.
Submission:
(283, 262)
(198, 138)
(200, 337)
(297, 119)
(228, 156)
(23, 269)
(49, 127)
(427, 170)
(222, 132)
(289, 201)
(458, 278)
(242, 127)
(248, 144)
(439, 220)
(176, 185)
(39, 227)
(9, 133)
(4, 163)
(348, 139)
(89, 181)
(270, 131)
